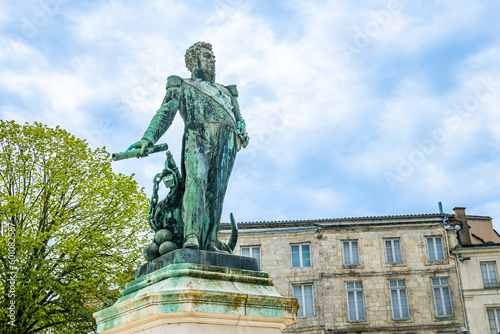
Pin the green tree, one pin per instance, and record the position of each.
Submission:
(71, 230)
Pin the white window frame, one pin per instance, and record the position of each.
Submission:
(491, 279)
(438, 290)
(434, 250)
(357, 292)
(400, 290)
(304, 308)
(393, 253)
(350, 256)
(301, 255)
(494, 316)
(251, 253)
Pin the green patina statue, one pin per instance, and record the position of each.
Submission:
(214, 131)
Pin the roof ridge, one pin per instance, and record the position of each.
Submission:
(341, 218)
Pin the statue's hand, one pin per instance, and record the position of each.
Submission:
(141, 144)
(242, 133)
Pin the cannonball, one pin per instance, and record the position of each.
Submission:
(162, 235)
(167, 247)
(151, 252)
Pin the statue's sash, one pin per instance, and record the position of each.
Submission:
(218, 93)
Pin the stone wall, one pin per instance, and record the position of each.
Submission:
(478, 298)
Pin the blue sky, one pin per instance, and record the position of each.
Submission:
(353, 108)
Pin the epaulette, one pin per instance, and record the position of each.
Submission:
(233, 90)
(174, 81)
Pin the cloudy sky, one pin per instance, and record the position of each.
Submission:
(354, 108)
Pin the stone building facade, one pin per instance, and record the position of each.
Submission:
(390, 274)
(478, 255)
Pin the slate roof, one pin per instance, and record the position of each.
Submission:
(324, 220)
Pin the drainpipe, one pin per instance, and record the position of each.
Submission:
(455, 259)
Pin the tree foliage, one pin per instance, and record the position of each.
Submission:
(71, 230)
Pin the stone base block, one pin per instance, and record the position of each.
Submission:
(195, 298)
(189, 325)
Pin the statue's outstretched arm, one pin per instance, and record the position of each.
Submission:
(164, 116)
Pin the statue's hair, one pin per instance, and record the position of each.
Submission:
(192, 53)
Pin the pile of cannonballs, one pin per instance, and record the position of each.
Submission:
(162, 244)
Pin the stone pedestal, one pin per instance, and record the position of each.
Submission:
(182, 297)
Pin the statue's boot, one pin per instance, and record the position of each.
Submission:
(191, 242)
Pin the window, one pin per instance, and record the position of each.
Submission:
(393, 251)
(399, 301)
(494, 320)
(304, 294)
(351, 253)
(435, 249)
(251, 252)
(442, 297)
(489, 273)
(301, 256)
(355, 305)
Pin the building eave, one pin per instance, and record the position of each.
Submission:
(475, 248)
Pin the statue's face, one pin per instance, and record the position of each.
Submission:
(206, 63)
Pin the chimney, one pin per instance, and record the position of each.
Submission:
(464, 233)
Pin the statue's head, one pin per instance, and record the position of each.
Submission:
(200, 61)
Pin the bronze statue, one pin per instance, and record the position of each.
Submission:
(214, 131)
